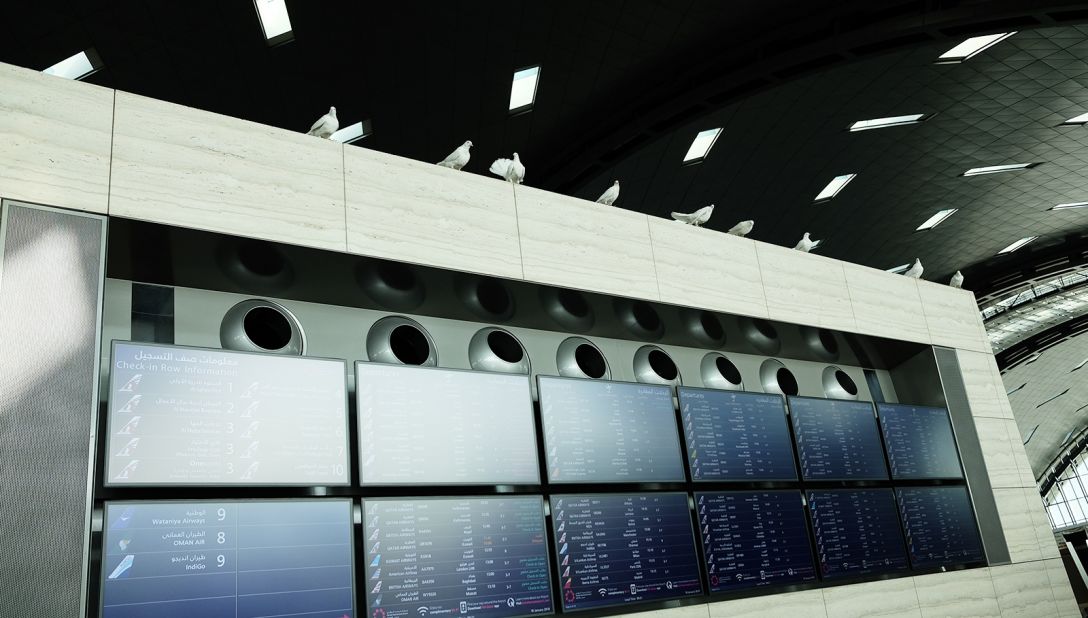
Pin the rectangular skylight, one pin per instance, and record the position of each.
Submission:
(1078, 367)
(891, 121)
(352, 133)
(1069, 205)
(1016, 245)
(701, 145)
(832, 189)
(275, 21)
(936, 219)
(1051, 399)
(523, 88)
(898, 270)
(76, 67)
(1007, 393)
(995, 169)
(972, 47)
(1030, 434)
(1082, 119)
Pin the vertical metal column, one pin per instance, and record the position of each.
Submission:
(52, 268)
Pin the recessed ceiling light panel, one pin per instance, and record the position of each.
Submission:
(936, 219)
(76, 67)
(352, 132)
(1069, 206)
(972, 47)
(1078, 120)
(275, 22)
(891, 121)
(834, 187)
(701, 145)
(997, 169)
(523, 89)
(1016, 245)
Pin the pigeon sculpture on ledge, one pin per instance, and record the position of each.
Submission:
(806, 243)
(742, 229)
(957, 280)
(696, 218)
(609, 196)
(915, 271)
(325, 125)
(458, 158)
(512, 171)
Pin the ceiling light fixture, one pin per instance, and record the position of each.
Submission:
(996, 169)
(1076, 120)
(832, 189)
(523, 89)
(76, 67)
(936, 219)
(353, 132)
(891, 121)
(1068, 206)
(1016, 245)
(275, 22)
(972, 47)
(701, 145)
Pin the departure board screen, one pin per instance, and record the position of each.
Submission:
(617, 549)
(421, 425)
(194, 416)
(837, 440)
(920, 442)
(734, 436)
(939, 525)
(228, 559)
(754, 538)
(470, 557)
(857, 532)
(606, 432)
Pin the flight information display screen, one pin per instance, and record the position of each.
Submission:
(607, 432)
(754, 538)
(920, 442)
(939, 525)
(837, 440)
(229, 559)
(194, 416)
(471, 557)
(857, 532)
(420, 425)
(735, 436)
(618, 549)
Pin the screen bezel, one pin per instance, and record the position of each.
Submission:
(880, 407)
(852, 576)
(107, 481)
(876, 428)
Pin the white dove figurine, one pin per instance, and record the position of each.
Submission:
(513, 171)
(609, 196)
(915, 271)
(742, 229)
(325, 125)
(458, 158)
(806, 243)
(957, 280)
(696, 218)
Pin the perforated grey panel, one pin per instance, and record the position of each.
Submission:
(50, 269)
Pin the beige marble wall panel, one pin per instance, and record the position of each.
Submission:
(703, 268)
(886, 305)
(889, 597)
(1062, 589)
(181, 166)
(996, 443)
(805, 288)
(418, 212)
(55, 139)
(1017, 523)
(1023, 590)
(985, 390)
(578, 244)
(957, 594)
(803, 604)
(952, 317)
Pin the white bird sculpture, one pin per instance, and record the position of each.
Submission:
(957, 280)
(696, 218)
(806, 243)
(609, 196)
(325, 125)
(513, 171)
(458, 158)
(915, 271)
(742, 229)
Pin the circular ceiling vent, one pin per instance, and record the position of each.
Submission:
(838, 384)
(495, 349)
(567, 308)
(653, 365)
(258, 325)
(718, 371)
(255, 265)
(486, 297)
(578, 357)
(400, 340)
(761, 334)
(391, 285)
(776, 378)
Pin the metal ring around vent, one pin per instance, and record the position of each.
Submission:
(653, 365)
(578, 357)
(399, 340)
(838, 384)
(711, 370)
(258, 325)
(495, 349)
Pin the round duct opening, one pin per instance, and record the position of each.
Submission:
(704, 327)
(580, 358)
(257, 325)
(762, 335)
(640, 318)
(400, 340)
(391, 284)
(653, 365)
(567, 308)
(486, 298)
(718, 371)
(255, 265)
(494, 349)
(838, 384)
(821, 342)
(776, 378)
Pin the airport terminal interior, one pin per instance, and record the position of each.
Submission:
(680, 308)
